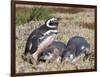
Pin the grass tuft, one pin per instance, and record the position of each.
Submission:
(23, 15)
(39, 14)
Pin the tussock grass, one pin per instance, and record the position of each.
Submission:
(72, 24)
(38, 13)
(22, 15)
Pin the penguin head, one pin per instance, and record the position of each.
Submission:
(69, 53)
(52, 22)
(85, 49)
(68, 56)
(47, 55)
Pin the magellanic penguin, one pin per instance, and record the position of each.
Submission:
(76, 47)
(41, 38)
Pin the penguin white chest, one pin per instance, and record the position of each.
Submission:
(47, 41)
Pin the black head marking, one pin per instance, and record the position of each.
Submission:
(52, 22)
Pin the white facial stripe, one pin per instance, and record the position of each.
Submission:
(53, 19)
(49, 22)
(82, 47)
(49, 31)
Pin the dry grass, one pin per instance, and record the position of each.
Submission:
(80, 23)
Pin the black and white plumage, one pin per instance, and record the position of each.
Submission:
(41, 38)
(76, 46)
(53, 52)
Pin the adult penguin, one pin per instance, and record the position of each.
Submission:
(41, 38)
